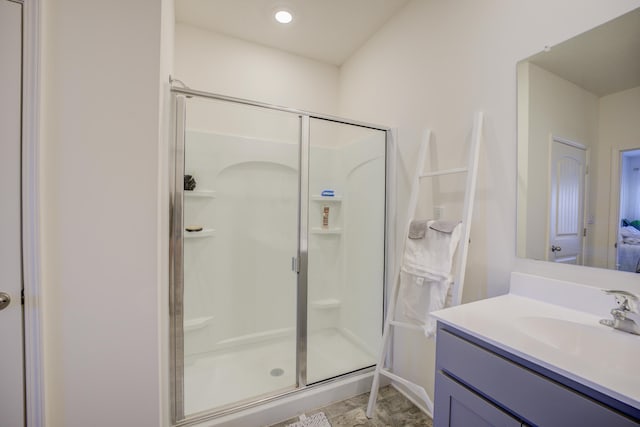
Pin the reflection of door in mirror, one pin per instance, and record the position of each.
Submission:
(566, 222)
(628, 235)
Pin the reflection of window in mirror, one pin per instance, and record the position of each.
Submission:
(584, 92)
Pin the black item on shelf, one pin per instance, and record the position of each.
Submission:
(189, 183)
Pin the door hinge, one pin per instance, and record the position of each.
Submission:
(584, 232)
(295, 265)
(22, 296)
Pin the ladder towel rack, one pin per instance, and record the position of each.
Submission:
(461, 253)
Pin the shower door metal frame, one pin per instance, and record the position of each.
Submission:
(176, 249)
(303, 253)
(176, 264)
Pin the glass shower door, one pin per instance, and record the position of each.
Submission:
(347, 167)
(278, 252)
(241, 196)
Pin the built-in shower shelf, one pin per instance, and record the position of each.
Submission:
(200, 193)
(319, 198)
(318, 230)
(196, 323)
(324, 304)
(207, 232)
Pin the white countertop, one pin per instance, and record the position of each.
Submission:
(563, 339)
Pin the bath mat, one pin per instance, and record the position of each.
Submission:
(315, 420)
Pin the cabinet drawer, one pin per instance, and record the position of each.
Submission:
(460, 407)
(533, 397)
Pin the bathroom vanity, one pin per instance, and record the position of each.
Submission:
(517, 360)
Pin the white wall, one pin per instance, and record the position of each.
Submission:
(560, 108)
(225, 65)
(433, 65)
(101, 212)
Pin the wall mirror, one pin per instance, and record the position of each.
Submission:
(579, 149)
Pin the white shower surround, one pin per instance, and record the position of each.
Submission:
(221, 319)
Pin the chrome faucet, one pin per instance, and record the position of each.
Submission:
(626, 316)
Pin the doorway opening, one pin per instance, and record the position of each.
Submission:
(628, 244)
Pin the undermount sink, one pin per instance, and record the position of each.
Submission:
(596, 345)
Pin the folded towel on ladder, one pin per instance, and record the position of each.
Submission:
(418, 229)
(425, 278)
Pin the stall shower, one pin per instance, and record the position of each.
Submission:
(278, 250)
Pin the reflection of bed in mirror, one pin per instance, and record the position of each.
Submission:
(629, 249)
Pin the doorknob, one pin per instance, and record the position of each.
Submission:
(5, 300)
(555, 248)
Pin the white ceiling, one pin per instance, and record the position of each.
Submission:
(326, 30)
(603, 60)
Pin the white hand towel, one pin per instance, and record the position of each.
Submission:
(431, 257)
(425, 279)
(418, 229)
(420, 297)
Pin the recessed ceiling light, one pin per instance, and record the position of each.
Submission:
(283, 17)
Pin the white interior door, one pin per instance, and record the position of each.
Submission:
(566, 221)
(11, 357)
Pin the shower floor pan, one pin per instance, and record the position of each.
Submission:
(220, 379)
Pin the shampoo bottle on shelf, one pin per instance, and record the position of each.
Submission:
(325, 217)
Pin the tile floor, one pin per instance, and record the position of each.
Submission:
(392, 410)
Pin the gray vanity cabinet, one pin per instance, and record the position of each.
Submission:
(480, 385)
